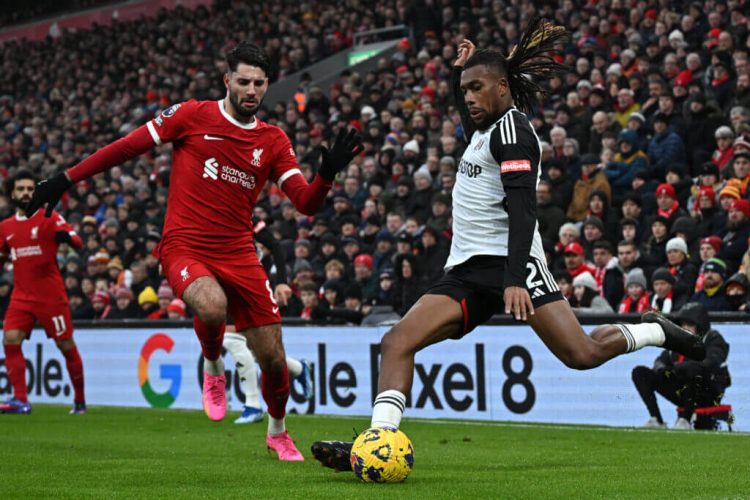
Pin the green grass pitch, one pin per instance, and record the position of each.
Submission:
(141, 453)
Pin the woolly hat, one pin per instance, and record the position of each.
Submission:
(662, 274)
(177, 306)
(717, 266)
(585, 279)
(147, 296)
(714, 241)
(677, 244)
(165, 292)
(635, 277)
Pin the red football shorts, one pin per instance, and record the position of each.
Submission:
(54, 318)
(250, 301)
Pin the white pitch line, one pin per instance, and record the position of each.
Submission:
(563, 427)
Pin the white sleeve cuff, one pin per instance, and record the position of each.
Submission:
(152, 131)
(287, 175)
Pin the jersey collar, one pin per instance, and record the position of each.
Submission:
(246, 126)
(21, 218)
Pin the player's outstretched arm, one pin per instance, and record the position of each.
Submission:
(309, 198)
(466, 49)
(49, 191)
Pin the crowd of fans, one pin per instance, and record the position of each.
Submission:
(643, 201)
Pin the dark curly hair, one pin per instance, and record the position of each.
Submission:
(248, 53)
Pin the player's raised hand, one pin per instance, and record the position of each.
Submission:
(517, 302)
(48, 192)
(346, 146)
(466, 49)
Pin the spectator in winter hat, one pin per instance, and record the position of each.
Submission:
(684, 271)
(636, 299)
(364, 276)
(655, 247)
(664, 299)
(712, 296)
(586, 299)
(736, 292)
(177, 310)
(626, 163)
(724, 151)
(735, 236)
(667, 205)
(125, 307)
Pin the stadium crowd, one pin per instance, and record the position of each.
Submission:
(643, 201)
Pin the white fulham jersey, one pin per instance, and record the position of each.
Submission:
(506, 153)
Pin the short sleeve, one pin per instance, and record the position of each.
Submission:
(285, 160)
(515, 147)
(60, 224)
(171, 124)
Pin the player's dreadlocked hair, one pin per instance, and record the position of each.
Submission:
(530, 62)
(248, 53)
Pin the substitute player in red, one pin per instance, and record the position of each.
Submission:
(223, 156)
(38, 291)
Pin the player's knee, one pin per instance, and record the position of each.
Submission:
(13, 337)
(639, 373)
(393, 342)
(213, 313)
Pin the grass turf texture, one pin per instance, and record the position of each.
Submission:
(119, 452)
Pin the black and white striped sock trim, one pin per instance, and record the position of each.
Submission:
(629, 338)
(388, 397)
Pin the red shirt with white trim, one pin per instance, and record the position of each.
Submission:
(219, 168)
(32, 248)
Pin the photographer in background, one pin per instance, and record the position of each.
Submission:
(686, 383)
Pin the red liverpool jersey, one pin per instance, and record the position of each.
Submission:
(219, 167)
(31, 245)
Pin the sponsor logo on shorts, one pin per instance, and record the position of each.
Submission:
(515, 166)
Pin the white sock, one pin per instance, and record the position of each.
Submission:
(236, 346)
(641, 335)
(388, 409)
(275, 426)
(295, 367)
(215, 367)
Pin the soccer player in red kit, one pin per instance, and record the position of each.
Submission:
(38, 291)
(223, 156)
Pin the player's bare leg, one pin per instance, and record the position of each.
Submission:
(15, 364)
(209, 303)
(560, 330)
(74, 364)
(432, 319)
(265, 341)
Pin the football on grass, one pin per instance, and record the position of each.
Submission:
(381, 455)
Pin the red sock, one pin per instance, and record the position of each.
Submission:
(15, 364)
(75, 371)
(275, 390)
(210, 337)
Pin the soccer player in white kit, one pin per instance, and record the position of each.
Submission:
(496, 262)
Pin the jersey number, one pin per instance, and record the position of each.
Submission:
(530, 283)
(59, 323)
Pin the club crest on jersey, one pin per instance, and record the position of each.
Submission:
(35, 232)
(170, 110)
(291, 153)
(184, 274)
(256, 157)
(515, 166)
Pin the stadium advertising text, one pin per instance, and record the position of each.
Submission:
(496, 373)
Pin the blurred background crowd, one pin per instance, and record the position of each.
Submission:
(643, 201)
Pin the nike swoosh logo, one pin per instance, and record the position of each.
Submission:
(10, 237)
(212, 138)
(275, 310)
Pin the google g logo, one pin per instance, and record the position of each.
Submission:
(166, 372)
